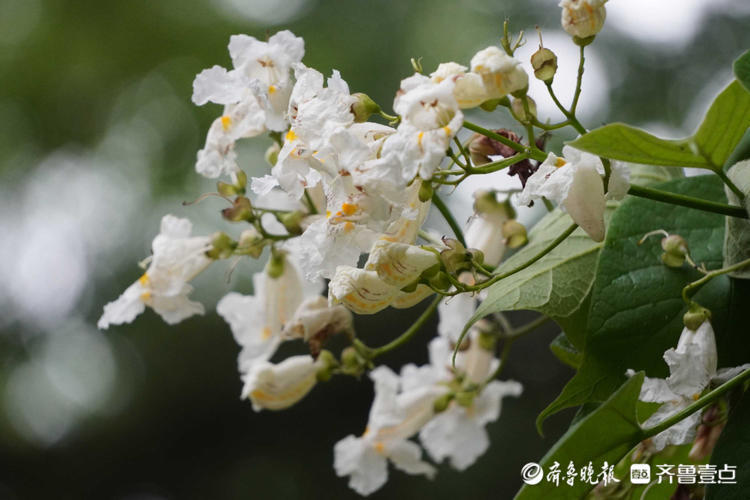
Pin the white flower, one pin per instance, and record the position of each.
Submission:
(257, 320)
(575, 183)
(501, 73)
(485, 229)
(316, 113)
(315, 317)
(583, 18)
(692, 367)
(394, 417)
(177, 259)
(360, 290)
(278, 386)
(430, 118)
(254, 94)
(468, 88)
(399, 264)
(458, 433)
(355, 218)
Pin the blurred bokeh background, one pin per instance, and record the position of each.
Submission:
(97, 141)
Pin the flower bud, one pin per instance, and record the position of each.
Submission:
(363, 107)
(362, 291)
(278, 386)
(501, 73)
(515, 234)
(519, 110)
(251, 243)
(482, 147)
(492, 104)
(695, 316)
(468, 89)
(272, 154)
(544, 62)
(225, 189)
(455, 258)
(241, 210)
(222, 246)
(292, 221)
(399, 264)
(425, 192)
(276, 264)
(441, 404)
(465, 398)
(326, 363)
(675, 250)
(583, 19)
(240, 180)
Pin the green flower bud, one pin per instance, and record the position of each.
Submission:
(222, 246)
(487, 341)
(241, 210)
(544, 62)
(425, 192)
(251, 243)
(675, 250)
(455, 258)
(695, 316)
(275, 266)
(440, 281)
(272, 154)
(363, 107)
(225, 189)
(441, 404)
(292, 221)
(465, 398)
(520, 111)
(350, 357)
(514, 233)
(492, 104)
(240, 180)
(582, 42)
(327, 363)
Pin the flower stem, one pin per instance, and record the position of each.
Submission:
(688, 201)
(570, 116)
(579, 82)
(731, 185)
(373, 352)
(448, 216)
(693, 287)
(697, 405)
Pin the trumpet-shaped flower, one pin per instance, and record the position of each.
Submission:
(692, 367)
(278, 386)
(395, 416)
(501, 73)
(575, 182)
(177, 258)
(255, 95)
(257, 320)
(430, 118)
(468, 89)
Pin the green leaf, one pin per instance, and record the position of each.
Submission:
(636, 308)
(565, 351)
(737, 233)
(556, 284)
(742, 69)
(733, 448)
(724, 125)
(605, 434)
(722, 128)
(623, 142)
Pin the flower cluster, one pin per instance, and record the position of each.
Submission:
(446, 407)
(339, 214)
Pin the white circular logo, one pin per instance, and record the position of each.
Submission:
(532, 473)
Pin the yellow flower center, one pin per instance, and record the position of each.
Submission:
(226, 122)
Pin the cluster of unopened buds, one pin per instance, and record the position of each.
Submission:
(342, 186)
